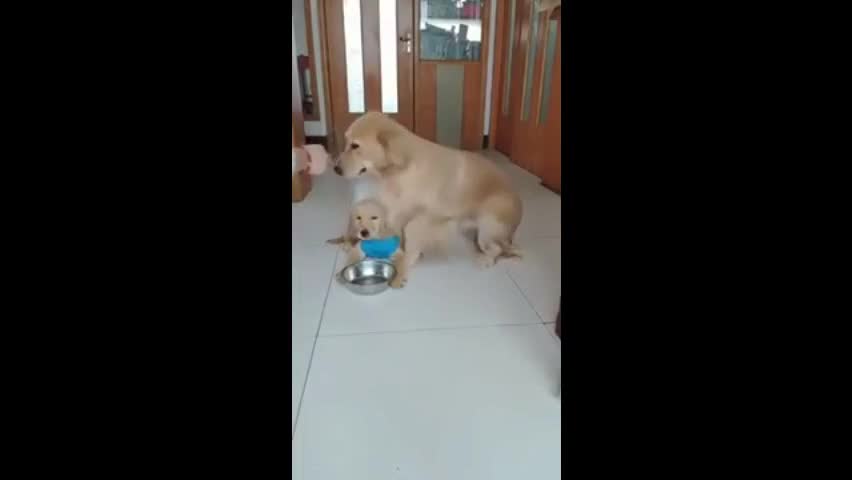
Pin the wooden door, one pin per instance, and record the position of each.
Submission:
(370, 61)
(451, 56)
(530, 111)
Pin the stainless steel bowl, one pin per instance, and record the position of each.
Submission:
(368, 277)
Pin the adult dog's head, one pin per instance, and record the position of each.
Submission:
(372, 147)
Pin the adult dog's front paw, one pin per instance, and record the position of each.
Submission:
(398, 281)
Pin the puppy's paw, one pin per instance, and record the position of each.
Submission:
(484, 261)
(398, 281)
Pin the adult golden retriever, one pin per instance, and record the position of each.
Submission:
(425, 185)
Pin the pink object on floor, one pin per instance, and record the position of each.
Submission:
(318, 159)
(302, 159)
(312, 158)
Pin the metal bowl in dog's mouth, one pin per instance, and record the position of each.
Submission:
(368, 277)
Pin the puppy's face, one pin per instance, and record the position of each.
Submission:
(367, 220)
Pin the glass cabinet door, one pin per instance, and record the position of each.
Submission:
(451, 30)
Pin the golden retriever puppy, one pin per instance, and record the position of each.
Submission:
(432, 234)
(424, 184)
(369, 235)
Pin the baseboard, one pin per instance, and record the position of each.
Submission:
(317, 141)
(550, 188)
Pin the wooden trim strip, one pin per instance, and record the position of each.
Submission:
(326, 113)
(475, 140)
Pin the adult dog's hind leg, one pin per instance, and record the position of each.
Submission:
(497, 222)
(467, 230)
(494, 239)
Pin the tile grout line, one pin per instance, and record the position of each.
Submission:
(432, 329)
(314, 348)
(545, 324)
(506, 271)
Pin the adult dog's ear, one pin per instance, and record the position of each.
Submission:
(385, 230)
(351, 231)
(394, 156)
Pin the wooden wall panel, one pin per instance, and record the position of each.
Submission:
(533, 144)
(527, 131)
(550, 162)
(507, 125)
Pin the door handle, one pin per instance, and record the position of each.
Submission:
(406, 39)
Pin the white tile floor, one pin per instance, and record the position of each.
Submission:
(453, 377)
